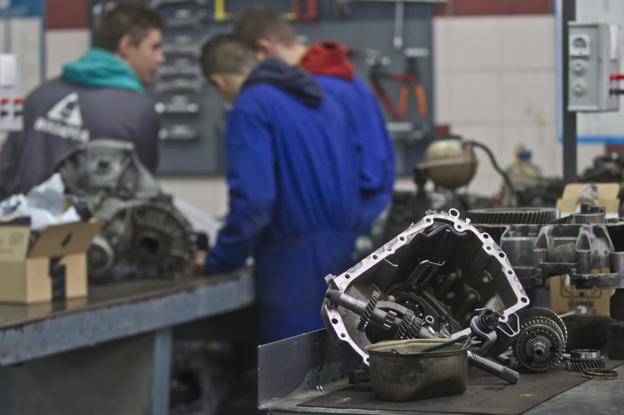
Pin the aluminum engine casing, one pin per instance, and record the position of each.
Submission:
(143, 235)
(475, 273)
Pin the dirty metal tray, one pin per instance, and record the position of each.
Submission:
(314, 370)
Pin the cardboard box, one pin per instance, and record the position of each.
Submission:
(54, 268)
(607, 195)
(564, 297)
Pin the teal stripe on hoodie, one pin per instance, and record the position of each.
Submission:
(101, 68)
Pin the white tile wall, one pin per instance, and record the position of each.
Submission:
(472, 45)
(495, 83)
(443, 96)
(527, 96)
(475, 97)
(63, 46)
(527, 42)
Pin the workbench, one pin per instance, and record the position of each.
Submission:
(307, 374)
(109, 353)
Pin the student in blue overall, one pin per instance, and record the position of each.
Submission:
(293, 193)
(271, 35)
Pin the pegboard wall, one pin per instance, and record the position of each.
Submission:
(193, 115)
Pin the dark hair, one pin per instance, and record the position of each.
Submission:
(257, 22)
(131, 19)
(226, 54)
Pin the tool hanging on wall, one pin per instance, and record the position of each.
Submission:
(399, 20)
(178, 133)
(183, 46)
(410, 81)
(155, 4)
(308, 13)
(187, 19)
(178, 105)
(220, 13)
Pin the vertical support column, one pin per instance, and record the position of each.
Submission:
(568, 14)
(162, 372)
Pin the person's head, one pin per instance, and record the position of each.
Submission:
(269, 34)
(226, 63)
(134, 33)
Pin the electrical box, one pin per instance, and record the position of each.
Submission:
(11, 102)
(593, 56)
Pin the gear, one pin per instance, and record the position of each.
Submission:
(585, 359)
(409, 328)
(389, 320)
(539, 346)
(542, 312)
(513, 216)
(368, 311)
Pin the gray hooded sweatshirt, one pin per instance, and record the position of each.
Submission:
(97, 96)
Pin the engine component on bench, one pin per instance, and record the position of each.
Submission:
(584, 246)
(545, 313)
(513, 216)
(149, 239)
(581, 359)
(435, 275)
(106, 168)
(392, 317)
(606, 168)
(143, 234)
(540, 344)
(615, 340)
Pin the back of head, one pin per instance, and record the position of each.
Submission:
(224, 54)
(262, 22)
(130, 19)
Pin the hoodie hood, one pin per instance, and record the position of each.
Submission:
(103, 69)
(328, 58)
(288, 78)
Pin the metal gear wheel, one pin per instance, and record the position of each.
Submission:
(368, 311)
(409, 328)
(585, 359)
(513, 216)
(539, 346)
(547, 313)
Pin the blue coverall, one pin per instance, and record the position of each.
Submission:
(294, 196)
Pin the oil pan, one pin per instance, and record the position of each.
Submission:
(400, 371)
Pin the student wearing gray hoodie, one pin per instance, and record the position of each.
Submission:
(100, 95)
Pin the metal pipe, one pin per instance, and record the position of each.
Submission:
(568, 14)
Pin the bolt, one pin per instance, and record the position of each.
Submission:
(539, 349)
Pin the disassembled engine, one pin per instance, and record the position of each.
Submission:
(540, 245)
(438, 278)
(143, 234)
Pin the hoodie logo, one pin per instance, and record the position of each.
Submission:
(64, 120)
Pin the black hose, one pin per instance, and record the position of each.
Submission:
(494, 164)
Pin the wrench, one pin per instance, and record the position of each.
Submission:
(180, 85)
(183, 46)
(399, 20)
(220, 14)
(178, 132)
(154, 4)
(187, 18)
(178, 105)
(180, 67)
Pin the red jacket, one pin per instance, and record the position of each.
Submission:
(328, 58)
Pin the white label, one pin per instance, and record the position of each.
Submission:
(614, 42)
(8, 70)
